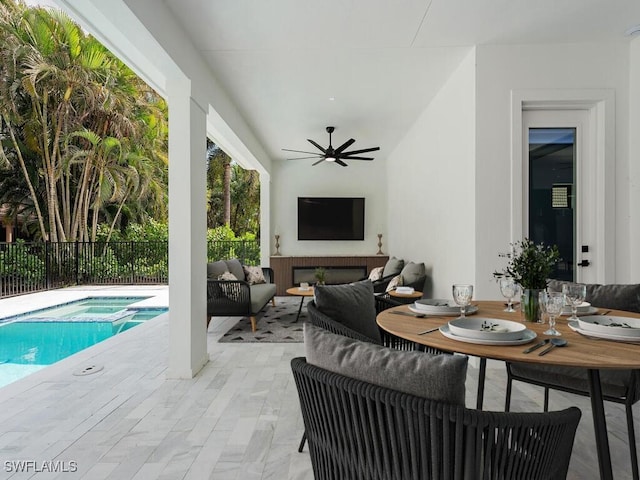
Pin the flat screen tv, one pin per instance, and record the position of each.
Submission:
(335, 218)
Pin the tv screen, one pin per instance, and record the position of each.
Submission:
(335, 218)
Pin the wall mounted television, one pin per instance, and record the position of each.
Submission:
(330, 218)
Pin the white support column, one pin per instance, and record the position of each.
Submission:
(187, 233)
(266, 233)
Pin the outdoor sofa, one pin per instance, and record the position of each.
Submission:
(238, 290)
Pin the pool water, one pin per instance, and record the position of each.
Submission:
(34, 340)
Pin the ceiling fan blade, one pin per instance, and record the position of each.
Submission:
(319, 161)
(357, 158)
(303, 158)
(345, 145)
(340, 162)
(316, 145)
(364, 150)
(300, 151)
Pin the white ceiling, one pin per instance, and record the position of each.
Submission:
(381, 61)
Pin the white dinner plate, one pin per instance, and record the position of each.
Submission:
(582, 308)
(602, 324)
(471, 309)
(436, 305)
(527, 337)
(589, 311)
(573, 325)
(487, 328)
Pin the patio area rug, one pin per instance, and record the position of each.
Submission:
(275, 324)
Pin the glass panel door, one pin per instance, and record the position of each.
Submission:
(552, 193)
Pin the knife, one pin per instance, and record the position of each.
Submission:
(417, 315)
(429, 331)
(536, 346)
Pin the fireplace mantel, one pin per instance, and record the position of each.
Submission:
(284, 266)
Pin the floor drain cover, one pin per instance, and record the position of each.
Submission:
(88, 370)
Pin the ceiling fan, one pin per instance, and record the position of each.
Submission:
(330, 154)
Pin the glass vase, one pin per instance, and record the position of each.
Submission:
(530, 305)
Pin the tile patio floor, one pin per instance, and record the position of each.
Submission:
(238, 419)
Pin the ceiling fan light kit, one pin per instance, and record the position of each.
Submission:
(338, 155)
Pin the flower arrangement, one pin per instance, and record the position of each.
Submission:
(530, 263)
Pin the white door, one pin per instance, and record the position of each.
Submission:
(559, 204)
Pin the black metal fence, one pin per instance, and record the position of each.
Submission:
(35, 266)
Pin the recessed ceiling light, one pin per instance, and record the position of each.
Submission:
(332, 98)
(635, 30)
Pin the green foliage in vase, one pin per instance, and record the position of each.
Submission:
(320, 274)
(530, 264)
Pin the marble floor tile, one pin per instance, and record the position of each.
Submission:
(239, 418)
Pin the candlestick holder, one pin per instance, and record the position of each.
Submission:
(277, 246)
(379, 245)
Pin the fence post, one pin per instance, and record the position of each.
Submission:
(76, 263)
(47, 264)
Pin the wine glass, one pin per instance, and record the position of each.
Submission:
(542, 301)
(462, 296)
(508, 288)
(574, 294)
(555, 302)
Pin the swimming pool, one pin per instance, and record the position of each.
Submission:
(34, 340)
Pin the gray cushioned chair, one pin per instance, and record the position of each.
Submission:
(619, 386)
(351, 310)
(358, 430)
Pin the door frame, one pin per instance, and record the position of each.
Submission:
(600, 104)
(585, 203)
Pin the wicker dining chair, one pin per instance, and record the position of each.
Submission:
(319, 319)
(358, 430)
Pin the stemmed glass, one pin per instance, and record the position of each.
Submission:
(555, 302)
(508, 288)
(574, 294)
(542, 301)
(462, 296)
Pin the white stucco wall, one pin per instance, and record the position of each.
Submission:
(501, 69)
(634, 160)
(293, 179)
(431, 185)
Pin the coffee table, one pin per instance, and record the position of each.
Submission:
(415, 294)
(297, 291)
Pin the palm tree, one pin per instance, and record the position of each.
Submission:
(84, 115)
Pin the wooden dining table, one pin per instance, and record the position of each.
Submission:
(583, 352)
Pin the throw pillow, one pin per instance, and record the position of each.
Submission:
(227, 276)
(235, 267)
(412, 273)
(352, 305)
(395, 282)
(254, 275)
(393, 267)
(436, 377)
(376, 274)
